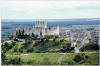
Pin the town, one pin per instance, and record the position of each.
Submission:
(77, 35)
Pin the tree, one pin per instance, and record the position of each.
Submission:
(67, 48)
(13, 43)
(20, 50)
(47, 40)
(40, 33)
(3, 57)
(33, 35)
(22, 34)
(54, 39)
(15, 49)
(19, 34)
(30, 49)
(28, 41)
(6, 44)
(16, 33)
(15, 39)
(90, 47)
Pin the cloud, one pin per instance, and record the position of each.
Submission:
(49, 9)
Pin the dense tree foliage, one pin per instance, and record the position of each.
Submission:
(90, 47)
(6, 46)
(14, 61)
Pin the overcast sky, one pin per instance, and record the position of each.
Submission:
(50, 9)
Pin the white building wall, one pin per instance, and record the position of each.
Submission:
(41, 24)
(40, 27)
(53, 31)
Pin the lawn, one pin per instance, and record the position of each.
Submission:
(41, 58)
(92, 58)
(38, 58)
(52, 59)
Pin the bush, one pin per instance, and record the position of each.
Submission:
(3, 58)
(28, 41)
(80, 58)
(7, 46)
(67, 48)
(90, 47)
(30, 49)
(20, 50)
(14, 61)
(13, 43)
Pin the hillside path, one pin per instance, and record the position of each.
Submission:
(60, 58)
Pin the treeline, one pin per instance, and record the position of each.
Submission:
(21, 35)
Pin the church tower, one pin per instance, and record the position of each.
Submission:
(41, 24)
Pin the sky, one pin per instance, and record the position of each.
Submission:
(50, 9)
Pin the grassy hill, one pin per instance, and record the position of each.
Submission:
(45, 52)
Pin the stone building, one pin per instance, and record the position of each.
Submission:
(96, 36)
(64, 32)
(79, 37)
(40, 28)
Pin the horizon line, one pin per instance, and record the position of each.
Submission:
(51, 18)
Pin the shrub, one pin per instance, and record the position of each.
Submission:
(90, 47)
(80, 58)
(3, 57)
(30, 49)
(14, 61)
